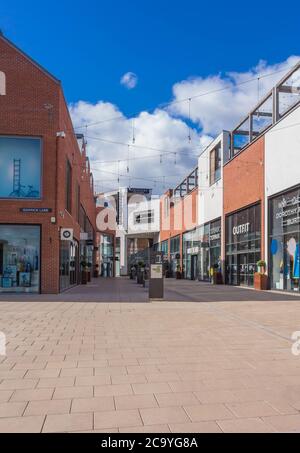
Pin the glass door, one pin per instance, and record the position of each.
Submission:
(292, 262)
(243, 269)
(194, 269)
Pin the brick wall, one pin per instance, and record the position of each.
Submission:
(182, 216)
(244, 182)
(34, 105)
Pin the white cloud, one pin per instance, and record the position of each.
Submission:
(129, 80)
(225, 109)
(171, 156)
(168, 130)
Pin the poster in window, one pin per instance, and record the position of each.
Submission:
(20, 167)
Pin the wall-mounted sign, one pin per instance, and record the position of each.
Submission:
(215, 234)
(193, 251)
(140, 191)
(289, 210)
(36, 210)
(66, 234)
(241, 229)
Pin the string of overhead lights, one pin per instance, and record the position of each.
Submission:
(179, 101)
(160, 152)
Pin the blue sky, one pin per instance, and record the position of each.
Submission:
(90, 45)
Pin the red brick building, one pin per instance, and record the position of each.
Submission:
(46, 184)
(244, 213)
(178, 215)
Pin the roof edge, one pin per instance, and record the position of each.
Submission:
(37, 65)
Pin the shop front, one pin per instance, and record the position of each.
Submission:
(19, 259)
(243, 245)
(69, 264)
(202, 251)
(174, 255)
(107, 255)
(284, 241)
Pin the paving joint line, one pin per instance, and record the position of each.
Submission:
(250, 323)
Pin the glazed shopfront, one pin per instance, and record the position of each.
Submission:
(202, 251)
(19, 259)
(243, 245)
(284, 241)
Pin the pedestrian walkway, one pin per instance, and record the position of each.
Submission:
(195, 291)
(161, 367)
(126, 290)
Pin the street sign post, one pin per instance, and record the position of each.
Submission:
(156, 282)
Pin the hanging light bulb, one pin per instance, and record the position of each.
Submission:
(175, 158)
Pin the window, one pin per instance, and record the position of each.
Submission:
(20, 167)
(165, 247)
(175, 245)
(68, 187)
(143, 218)
(78, 202)
(215, 164)
(166, 207)
(19, 258)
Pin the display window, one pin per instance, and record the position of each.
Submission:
(284, 241)
(174, 255)
(69, 264)
(107, 256)
(202, 251)
(20, 167)
(243, 245)
(19, 258)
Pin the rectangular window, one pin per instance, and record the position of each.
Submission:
(78, 202)
(20, 167)
(19, 259)
(284, 241)
(143, 218)
(68, 187)
(166, 207)
(215, 164)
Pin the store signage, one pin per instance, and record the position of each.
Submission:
(289, 211)
(193, 251)
(215, 234)
(66, 234)
(36, 210)
(241, 229)
(140, 191)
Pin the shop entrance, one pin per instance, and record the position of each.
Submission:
(291, 262)
(194, 267)
(243, 246)
(284, 250)
(247, 268)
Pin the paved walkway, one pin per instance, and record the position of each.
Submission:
(126, 290)
(161, 367)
